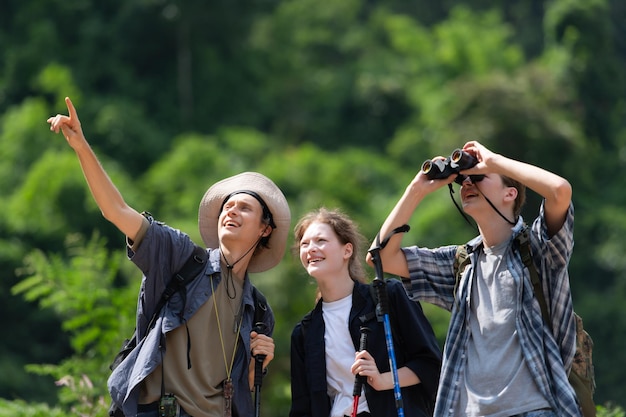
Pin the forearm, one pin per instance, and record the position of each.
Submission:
(406, 378)
(108, 198)
(545, 183)
(106, 195)
(556, 190)
(391, 256)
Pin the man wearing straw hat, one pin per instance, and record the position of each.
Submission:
(198, 358)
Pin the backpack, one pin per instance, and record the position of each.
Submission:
(581, 376)
(192, 268)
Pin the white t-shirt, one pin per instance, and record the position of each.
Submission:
(340, 357)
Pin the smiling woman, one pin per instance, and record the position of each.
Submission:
(325, 345)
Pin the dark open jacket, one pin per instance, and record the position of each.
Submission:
(414, 342)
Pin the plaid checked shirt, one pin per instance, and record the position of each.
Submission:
(548, 352)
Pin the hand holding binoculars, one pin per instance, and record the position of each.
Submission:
(459, 160)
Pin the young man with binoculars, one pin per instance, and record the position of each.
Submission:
(500, 359)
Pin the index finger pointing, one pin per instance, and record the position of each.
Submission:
(70, 108)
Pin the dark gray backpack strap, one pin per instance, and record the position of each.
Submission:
(523, 242)
(461, 259)
(260, 306)
(189, 271)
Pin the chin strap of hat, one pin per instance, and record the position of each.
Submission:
(229, 267)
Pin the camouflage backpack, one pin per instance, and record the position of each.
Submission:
(581, 376)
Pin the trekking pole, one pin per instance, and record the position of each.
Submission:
(358, 379)
(383, 309)
(260, 328)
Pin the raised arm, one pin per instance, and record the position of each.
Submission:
(107, 196)
(392, 257)
(556, 190)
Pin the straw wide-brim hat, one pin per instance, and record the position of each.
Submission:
(264, 258)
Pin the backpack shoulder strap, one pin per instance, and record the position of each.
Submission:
(372, 314)
(187, 273)
(260, 305)
(461, 259)
(192, 267)
(376, 314)
(523, 243)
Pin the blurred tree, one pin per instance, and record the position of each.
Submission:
(339, 104)
(596, 70)
(94, 311)
(328, 84)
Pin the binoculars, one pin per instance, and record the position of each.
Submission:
(459, 160)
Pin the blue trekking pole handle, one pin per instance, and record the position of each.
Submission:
(383, 310)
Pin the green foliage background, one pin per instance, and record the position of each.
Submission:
(339, 103)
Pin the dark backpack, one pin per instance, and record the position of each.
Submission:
(581, 376)
(192, 268)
